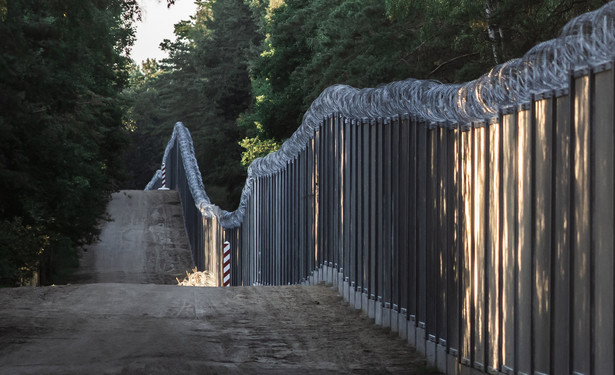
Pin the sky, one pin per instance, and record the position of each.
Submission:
(157, 25)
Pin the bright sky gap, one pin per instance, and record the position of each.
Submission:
(157, 25)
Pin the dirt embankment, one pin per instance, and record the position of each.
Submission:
(145, 242)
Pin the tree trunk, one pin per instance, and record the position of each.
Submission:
(495, 33)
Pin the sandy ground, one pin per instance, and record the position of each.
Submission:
(121, 322)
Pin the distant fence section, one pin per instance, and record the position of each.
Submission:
(475, 220)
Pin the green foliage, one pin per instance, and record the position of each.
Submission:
(20, 249)
(205, 84)
(525, 23)
(61, 71)
(398, 9)
(256, 147)
(313, 44)
(3, 10)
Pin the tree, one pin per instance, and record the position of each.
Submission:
(205, 84)
(313, 44)
(61, 71)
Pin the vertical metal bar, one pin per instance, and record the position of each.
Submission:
(280, 264)
(373, 215)
(323, 186)
(261, 231)
(246, 238)
(395, 212)
(525, 261)
(303, 216)
(322, 194)
(403, 230)
(360, 187)
(299, 214)
(266, 248)
(305, 198)
(542, 193)
(352, 270)
(380, 212)
(331, 189)
(326, 191)
(287, 194)
(334, 204)
(603, 220)
(317, 203)
(271, 225)
(365, 202)
(275, 224)
(348, 157)
(572, 219)
(431, 234)
(500, 244)
(257, 247)
(466, 297)
(289, 235)
(388, 228)
(266, 229)
(297, 244)
(582, 243)
(533, 262)
(258, 232)
(421, 181)
(329, 184)
(592, 209)
(254, 235)
(490, 333)
(453, 302)
(343, 199)
(459, 251)
(338, 202)
(312, 209)
(413, 223)
(481, 246)
(442, 230)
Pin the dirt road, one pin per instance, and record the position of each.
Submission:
(133, 326)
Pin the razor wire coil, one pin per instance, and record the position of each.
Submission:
(588, 39)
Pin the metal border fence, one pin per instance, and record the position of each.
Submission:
(485, 242)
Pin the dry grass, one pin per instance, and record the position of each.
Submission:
(197, 278)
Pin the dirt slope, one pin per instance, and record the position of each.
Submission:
(144, 243)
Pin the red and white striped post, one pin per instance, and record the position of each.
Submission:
(227, 264)
(164, 177)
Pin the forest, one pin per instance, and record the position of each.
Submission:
(80, 119)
